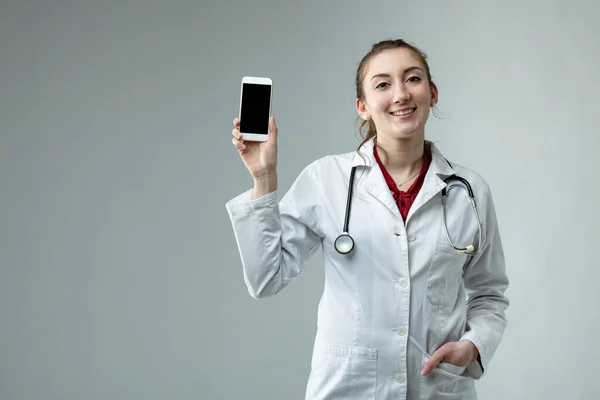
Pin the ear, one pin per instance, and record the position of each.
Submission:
(434, 95)
(361, 108)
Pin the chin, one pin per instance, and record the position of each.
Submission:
(406, 132)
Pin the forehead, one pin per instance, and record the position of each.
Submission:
(392, 61)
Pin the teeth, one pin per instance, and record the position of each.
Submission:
(405, 112)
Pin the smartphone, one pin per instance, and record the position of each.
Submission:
(255, 108)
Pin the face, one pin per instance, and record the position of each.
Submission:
(398, 95)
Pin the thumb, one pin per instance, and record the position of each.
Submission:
(272, 131)
(434, 360)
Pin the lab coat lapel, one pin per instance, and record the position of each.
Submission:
(439, 169)
(378, 188)
(374, 183)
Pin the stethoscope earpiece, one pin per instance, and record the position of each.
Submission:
(470, 249)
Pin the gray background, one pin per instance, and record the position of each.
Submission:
(119, 273)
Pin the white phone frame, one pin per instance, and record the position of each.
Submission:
(255, 137)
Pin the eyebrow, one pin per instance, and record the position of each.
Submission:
(388, 75)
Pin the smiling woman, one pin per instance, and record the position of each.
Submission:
(403, 314)
(394, 93)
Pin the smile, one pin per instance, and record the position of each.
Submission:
(403, 112)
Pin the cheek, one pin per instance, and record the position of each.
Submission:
(383, 106)
(425, 98)
(379, 101)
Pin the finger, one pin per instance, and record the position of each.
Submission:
(236, 122)
(236, 132)
(433, 362)
(272, 124)
(238, 144)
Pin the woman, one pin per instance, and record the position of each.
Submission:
(403, 315)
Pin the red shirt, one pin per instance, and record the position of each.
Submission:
(404, 199)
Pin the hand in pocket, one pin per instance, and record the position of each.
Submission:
(460, 354)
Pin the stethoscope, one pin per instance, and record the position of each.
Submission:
(344, 243)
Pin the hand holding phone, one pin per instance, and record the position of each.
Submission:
(259, 157)
(255, 140)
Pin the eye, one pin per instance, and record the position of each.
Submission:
(379, 86)
(414, 79)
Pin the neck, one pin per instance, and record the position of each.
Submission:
(402, 157)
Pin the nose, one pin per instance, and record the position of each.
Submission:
(401, 95)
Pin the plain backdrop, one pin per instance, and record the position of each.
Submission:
(119, 273)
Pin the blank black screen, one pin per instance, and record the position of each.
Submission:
(254, 115)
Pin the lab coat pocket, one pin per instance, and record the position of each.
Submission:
(444, 275)
(445, 379)
(344, 372)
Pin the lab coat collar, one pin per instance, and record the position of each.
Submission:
(365, 157)
(439, 164)
(439, 169)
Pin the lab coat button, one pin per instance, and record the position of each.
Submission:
(401, 331)
(402, 282)
(410, 237)
(399, 378)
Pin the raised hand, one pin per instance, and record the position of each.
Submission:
(260, 158)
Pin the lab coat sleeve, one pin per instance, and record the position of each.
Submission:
(486, 282)
(276, 240)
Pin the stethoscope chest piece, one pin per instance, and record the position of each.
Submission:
(344, 243)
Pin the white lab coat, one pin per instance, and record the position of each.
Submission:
(401, 294)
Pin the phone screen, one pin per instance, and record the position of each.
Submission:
(254, 114)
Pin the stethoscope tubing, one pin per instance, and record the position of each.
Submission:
(344, 244)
